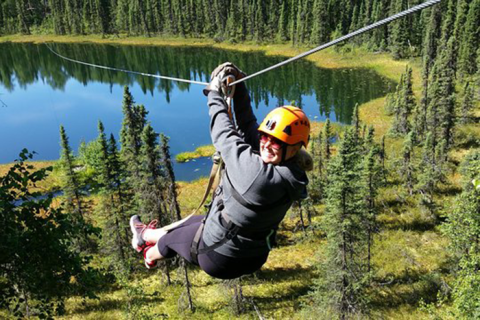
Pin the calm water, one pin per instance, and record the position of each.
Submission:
(42, 91)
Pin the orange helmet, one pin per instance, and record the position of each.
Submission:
(288, 124)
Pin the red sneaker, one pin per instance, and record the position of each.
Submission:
(150, 264)
(138, 228)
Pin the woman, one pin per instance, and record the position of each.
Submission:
(261, 180)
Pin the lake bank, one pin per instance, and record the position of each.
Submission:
(382, 63)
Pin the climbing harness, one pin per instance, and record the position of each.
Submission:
(377, 24)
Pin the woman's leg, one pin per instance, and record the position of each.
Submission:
(152, 235)
(179, 240)
(223, 267)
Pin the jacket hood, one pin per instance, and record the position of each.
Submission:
(296, 179)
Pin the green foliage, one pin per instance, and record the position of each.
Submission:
(470, 44)
(70, 184)
(39, 266)
(342, 285)
(470, 168)
(153, 187)
(408, 165)
(467, 103)
(463, 229)
(89, 155)
(399, 32)
(403, 105)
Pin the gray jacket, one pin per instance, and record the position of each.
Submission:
(272, 188)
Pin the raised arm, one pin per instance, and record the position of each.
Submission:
(247, 124)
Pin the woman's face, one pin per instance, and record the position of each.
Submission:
(270, 149)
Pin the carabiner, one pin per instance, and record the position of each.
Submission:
(227, 89)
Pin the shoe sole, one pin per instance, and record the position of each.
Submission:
(135, 245)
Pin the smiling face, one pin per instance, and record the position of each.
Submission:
(270, 149)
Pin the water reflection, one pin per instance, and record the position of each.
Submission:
(43, 91)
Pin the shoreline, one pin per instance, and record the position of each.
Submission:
(357, 57)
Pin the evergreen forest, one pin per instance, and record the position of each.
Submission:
(391, 227)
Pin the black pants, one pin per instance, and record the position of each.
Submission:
(179, 240)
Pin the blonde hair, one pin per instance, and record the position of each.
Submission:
(304, 159)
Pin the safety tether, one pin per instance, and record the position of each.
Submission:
(319, 48)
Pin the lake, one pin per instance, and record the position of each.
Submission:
(41, 91)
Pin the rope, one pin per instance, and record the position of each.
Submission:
(321, 47)
(343, 38)
(126, 71)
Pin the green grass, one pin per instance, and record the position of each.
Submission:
(202, 151)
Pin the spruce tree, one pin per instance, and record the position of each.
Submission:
(114, 241)
(74, 203)
(233, 28)
(153, 178)
(259, 21)
(407, 170)
(428, 176)
(174, 206)
(327, 135)
(130, 136)
(356, 120)
(21, 7)
(463, 229)
(430, 46)
(343, 284)
(282, 32)
(383, 157)
(119, 178)
(471, 40)
(371, 177)
(399, 34)
(407, 102)
(70, 181)
(396, 105)
(441, 110)
(272, 17)
(467, 103)
(320, 29)
(404, 104)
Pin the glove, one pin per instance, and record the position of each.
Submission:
(229, 69)
(219, 75)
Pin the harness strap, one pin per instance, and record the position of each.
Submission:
(255, 207)
(213, 180)
(232, 231)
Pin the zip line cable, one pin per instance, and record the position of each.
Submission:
(319, 48)
(126, 71)
(343, 38)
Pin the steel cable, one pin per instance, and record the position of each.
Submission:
(343, 38)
